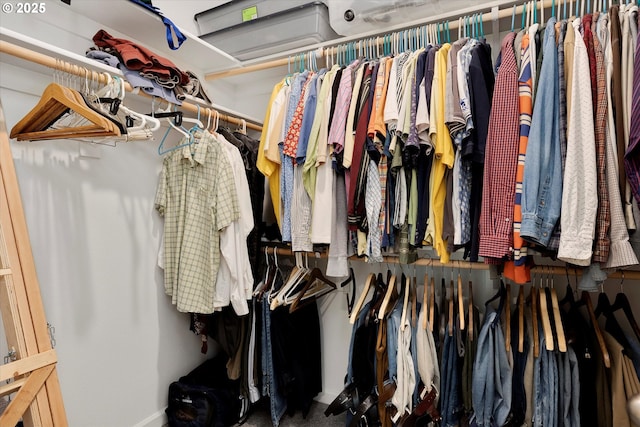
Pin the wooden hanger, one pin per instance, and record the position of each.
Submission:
(316, 286)
(451, 311)
(521, 319)
(425, 297)
(460, 303)
(562, 341)
(507, 319)
(546, 321)
(405, 303)
(391, 291)
(533, 298)
(363, 296)
(586, 300)
(414, 302)
(56, 100)
(432, 303)
(471, 314)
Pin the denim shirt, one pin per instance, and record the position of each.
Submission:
(542, 183)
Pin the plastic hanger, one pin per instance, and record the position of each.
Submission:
(622, 302)
(294, 280)
(259, 290)
(184, 133)
(569, 297)
(498, 295)
(147, 123)
(350, 299)
(524, 14)
(586, 300)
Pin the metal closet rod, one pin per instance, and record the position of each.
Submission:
(466, 265)
(330, 47)
(58, 64)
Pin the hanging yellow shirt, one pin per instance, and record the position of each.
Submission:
(443, 154)
(269, 168)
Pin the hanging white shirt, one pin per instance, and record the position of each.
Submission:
(234, 283)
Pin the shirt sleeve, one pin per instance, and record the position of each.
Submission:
(161, 192)
(224, 206)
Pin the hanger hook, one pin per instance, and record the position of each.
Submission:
(275, 256)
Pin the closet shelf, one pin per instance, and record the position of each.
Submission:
(131, 21)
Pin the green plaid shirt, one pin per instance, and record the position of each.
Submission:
(197, 197)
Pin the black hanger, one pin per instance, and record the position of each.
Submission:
(350, 300)
(501, 297)
(569, 297)
(622, 302)
(603, 306)
(177, 116)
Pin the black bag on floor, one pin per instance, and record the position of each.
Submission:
(204, 398)
(191, 406)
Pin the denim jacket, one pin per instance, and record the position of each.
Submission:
(542, 183)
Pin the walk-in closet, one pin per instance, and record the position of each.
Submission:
(323, 213)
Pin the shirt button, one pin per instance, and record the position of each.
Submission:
(506, 220)
(544, 234)
(541, 202)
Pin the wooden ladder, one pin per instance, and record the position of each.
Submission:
(34, 386)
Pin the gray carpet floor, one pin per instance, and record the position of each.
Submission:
(259, 417)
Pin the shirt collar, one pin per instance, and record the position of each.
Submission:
(195, 152)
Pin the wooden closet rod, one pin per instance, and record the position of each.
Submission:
(466, 265)
(330, 47)
(57, 64)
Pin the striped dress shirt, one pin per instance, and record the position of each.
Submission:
(517, 269)
(632, 155)
(501, 159)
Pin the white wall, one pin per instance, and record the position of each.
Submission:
(95, 236)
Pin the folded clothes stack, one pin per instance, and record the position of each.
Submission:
(152, 73)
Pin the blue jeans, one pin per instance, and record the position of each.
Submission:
(545, 388)
(393, 324)
(278, 403)
(491, 383)
(450, 404)
(362, 314)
